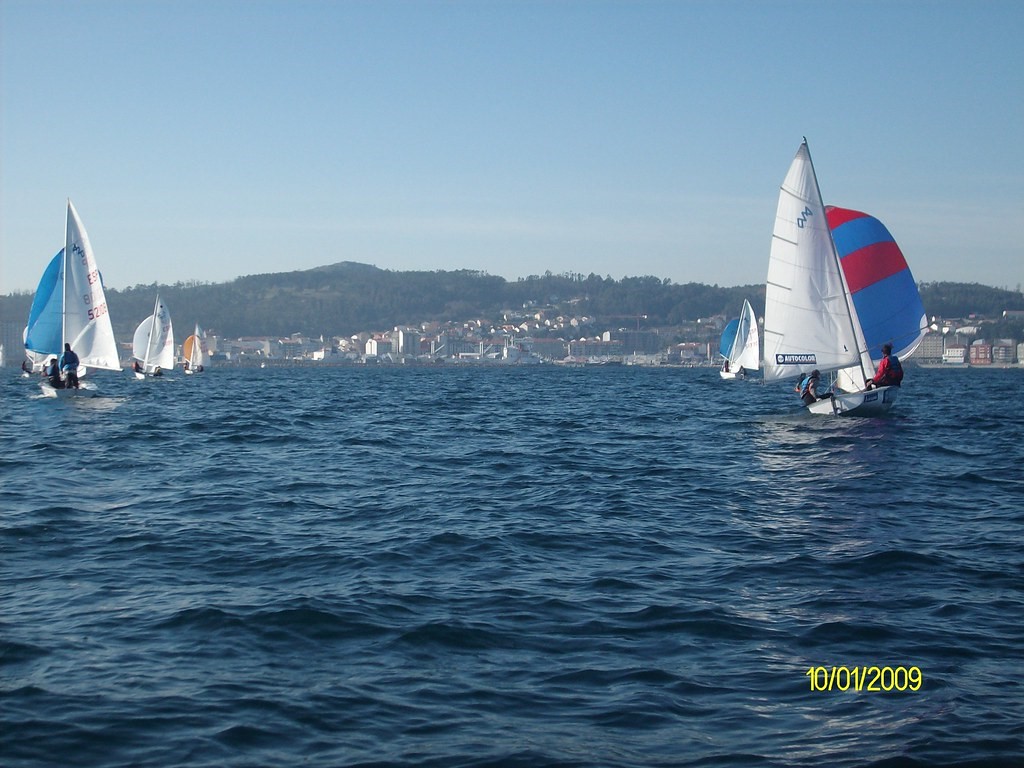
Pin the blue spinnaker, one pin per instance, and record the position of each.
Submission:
(728, 337)
(45, 330)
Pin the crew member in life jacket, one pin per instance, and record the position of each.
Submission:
(69, 367)
(808, 388)
(890, 371)
(52, 374)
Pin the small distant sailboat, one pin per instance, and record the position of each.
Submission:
(153, 343)
(740, 345)
(192, 352)
(70, 307)
(838, 288)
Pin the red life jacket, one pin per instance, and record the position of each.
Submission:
(892, 376)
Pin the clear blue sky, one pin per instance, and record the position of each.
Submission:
(207, 140)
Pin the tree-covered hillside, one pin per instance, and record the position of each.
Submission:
(346, 298)
(964, 299)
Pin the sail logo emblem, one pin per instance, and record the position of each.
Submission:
(804, 216)
(801, 359)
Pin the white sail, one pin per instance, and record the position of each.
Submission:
(807, 321)
(153, 343)
(746, 350)
(86, 321)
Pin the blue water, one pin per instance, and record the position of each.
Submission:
(461, 566)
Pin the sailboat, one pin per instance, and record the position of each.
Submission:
(70, 307)
(838, 288)
(740, 345)
(192, 352)
(153, 343)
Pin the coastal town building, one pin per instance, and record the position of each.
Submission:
(599, 349)
(1003, 351)
(955, 354)
(980, 353)
(932, 347)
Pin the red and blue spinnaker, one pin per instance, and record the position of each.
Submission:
(885, 296)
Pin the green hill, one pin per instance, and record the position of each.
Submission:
(346, 298)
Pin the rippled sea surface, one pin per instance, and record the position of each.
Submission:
(463, 566)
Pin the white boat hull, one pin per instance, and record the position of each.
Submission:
(731, 375)
(873, 402)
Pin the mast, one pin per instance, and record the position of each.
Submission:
(847, 296)
(64, 280)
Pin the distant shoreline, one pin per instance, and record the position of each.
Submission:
(966, 367)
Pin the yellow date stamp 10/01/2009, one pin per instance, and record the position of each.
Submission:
(871, 679)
